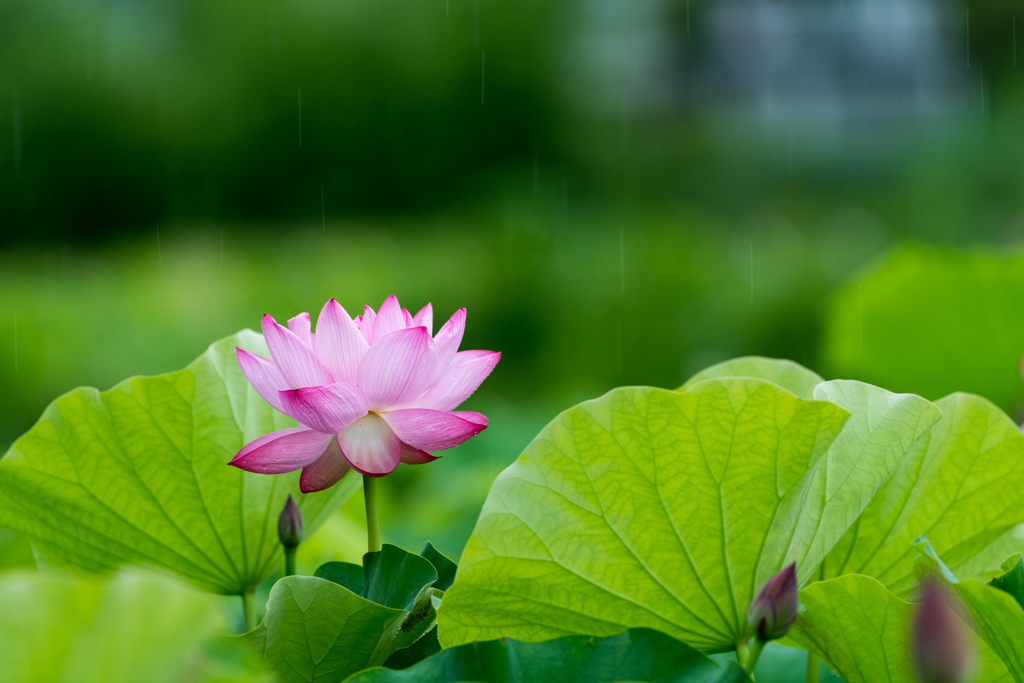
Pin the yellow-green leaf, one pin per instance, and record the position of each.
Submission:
(139, 474)
(646, 508)
(962, 487)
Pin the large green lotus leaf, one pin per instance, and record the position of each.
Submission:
(884, 429)
(139, 474)
(962, 487)
(316, 631)
(133, 627)
(635, 655)
(791, 376)
(882, 433)
(932, 321)
(648, 508)
(996, 615)
(861, 630)
(643, 510)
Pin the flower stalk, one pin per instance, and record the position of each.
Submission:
(812, 668)
(372, 522)
(289, 561)
(742, 653)
(755, 654)
(248, 609)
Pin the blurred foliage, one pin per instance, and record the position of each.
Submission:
(931, 322)
(15, 550)
(130, 113)
(134, 112)
(134, 626)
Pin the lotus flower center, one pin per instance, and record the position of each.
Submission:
(368, 426)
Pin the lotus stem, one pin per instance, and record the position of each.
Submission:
(742, 653)
(812, 668)
(755, 654)
(289, 561)
(248, 609)
(372, 523)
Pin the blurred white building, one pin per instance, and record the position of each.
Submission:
(834, 68)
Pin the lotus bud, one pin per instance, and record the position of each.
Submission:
(774, 609)
(289, 525)
(942, 648)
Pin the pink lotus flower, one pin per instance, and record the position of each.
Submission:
(368, 393)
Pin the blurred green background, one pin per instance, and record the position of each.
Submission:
(619, 193)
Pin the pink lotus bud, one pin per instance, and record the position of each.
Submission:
(289, 524)
(774, 609)
(942, 647)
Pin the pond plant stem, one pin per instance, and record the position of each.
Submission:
(372, 523)
(755, 654)
(248, 609)
(812, 668)
(289, 560)
(742, 653)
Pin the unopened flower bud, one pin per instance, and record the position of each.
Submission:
(774, 609)
(289, 525)
(942, 647)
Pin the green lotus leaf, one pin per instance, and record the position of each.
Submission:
(134, 626)
(1011, 580)
(391, 577)
(344, 574)
(445, 567)
(647, 508)
(862, 631)
(668, 510)
(424, 647)
(427, 644)
(883, 431)
(858, 627)
(138, 474)
(791, 376)
(316, 631)
(635, 655)
(962, 486)
(394, 578)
